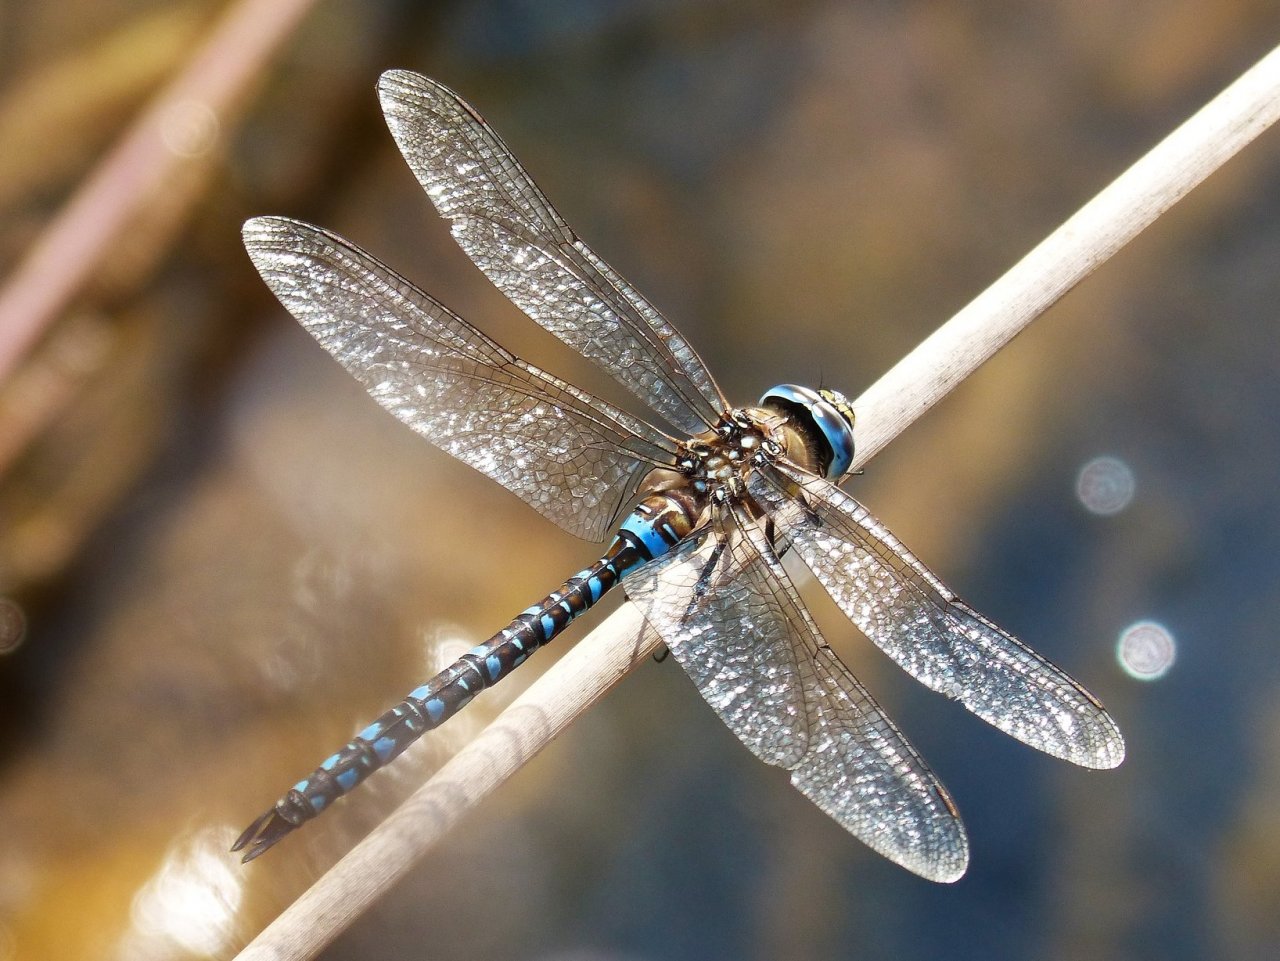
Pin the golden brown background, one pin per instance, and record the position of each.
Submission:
(218, 558)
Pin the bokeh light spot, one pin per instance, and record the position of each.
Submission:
(1146, 650)
(190, 129)
(13, 625)
(1105, 486)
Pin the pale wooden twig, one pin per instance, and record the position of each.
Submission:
(923, 377)
(92, 221)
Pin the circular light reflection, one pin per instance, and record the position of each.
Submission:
(190, 129)
(1146, 650)
(1105, 486)
(13, 625)
(443, 645)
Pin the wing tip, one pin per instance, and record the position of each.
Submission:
(936, 849)
(397, 77)
(1112, 752)
(407, 88)
(945, 866)
(255, 229)
(258, 232)
(259, 235)
(1098, 746)
(949, 874)
(952, 859)
(1096, 743)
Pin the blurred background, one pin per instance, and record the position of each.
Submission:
(218, 558)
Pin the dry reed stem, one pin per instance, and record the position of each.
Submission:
(84, 231)
(957, 349)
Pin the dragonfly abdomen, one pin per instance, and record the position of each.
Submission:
(658, 523)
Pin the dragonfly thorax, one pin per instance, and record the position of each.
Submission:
(716, 464)
(711, 469)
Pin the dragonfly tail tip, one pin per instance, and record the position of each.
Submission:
(263, 833)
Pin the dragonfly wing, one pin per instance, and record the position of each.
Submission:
(716, 614)
(509, 229)
(730, 615)
(936, 637)
(863, 772)
(574, 458)
(859, 768)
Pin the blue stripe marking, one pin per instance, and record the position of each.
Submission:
(420, 693)
(548, 625)
(647, 532)
(348, 779)
(435, 709)
(318, 803)
(480, 650)
(301, 786)
(371, 732)
(383, 747)
(595, 587)
(328, 763)
(493, 664)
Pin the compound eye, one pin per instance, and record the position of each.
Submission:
(830, 416)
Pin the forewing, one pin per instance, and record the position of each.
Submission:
(937, 638)
(572, 457)
(508, 228)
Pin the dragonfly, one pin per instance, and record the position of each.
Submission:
(699, 504)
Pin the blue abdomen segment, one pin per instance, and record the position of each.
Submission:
(448, 692)
(658, 523)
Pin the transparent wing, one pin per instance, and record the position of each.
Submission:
(859, 768)
(732, 595)
(937, 638)
(709, 601)
(863, 772)
(508, 228)
(572, 457)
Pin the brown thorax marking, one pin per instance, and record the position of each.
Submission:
(712, 467)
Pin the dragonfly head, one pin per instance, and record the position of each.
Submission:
(824, 417)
